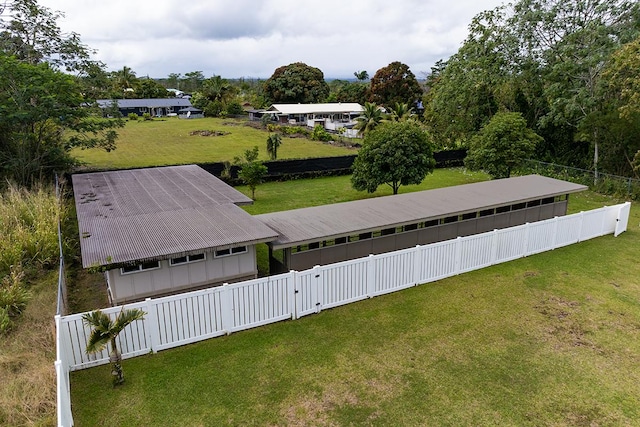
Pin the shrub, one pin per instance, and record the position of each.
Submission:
(321, 134)
(133, 116)
(146, 116)
(234, 108)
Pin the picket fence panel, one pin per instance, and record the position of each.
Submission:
(189, 317)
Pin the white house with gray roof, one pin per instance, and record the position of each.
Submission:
(332, 116)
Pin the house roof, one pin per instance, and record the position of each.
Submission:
(158, 213)
(145, 103)
(328, 108)
(301, 226)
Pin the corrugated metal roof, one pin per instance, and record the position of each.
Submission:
(328, 108)
(129, 215)
(146, 102)
(306, 225)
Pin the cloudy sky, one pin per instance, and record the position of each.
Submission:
(251, 38)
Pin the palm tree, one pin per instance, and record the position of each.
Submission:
(401, 112)
(370, 118)
(105, 330)
(273, 142)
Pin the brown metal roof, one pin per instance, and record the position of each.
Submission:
(156, 213)
(306, 225)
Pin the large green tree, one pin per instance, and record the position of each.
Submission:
(45, 113)
(296, 83)
(502, 145)
(394, 153)
(42, 117)
(393, 84)
(544, 59)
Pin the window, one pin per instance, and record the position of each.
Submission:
(388, 231)
(431, 223)
(187, 259)
(518, 206)
(503, 209)
(146, 265)
(486, 212)
(314, 245)
(532, 203)
(450, 219)
(547, 200)
(469, 215)
(230, 251)
(341, 240)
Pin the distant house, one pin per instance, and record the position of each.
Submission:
(156, 107)
(331, 116)
(190, 113)
(162, 230)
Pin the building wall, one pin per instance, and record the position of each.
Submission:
(169, 279)
(326, 252)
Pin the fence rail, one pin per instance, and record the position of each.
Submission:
(185, 318)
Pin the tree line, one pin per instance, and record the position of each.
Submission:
(567, 70)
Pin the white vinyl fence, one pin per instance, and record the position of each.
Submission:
(194, 316)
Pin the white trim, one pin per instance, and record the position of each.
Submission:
(188, 259)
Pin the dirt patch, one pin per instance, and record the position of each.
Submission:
(208, 133)
(564, 324)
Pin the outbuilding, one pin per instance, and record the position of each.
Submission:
(338, 232)
(163, 230)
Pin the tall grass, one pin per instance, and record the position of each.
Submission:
(29, 227)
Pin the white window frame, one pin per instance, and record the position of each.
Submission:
(140, 269)
(188, 260)
(239, 250)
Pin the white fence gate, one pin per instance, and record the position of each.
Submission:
(194, 316)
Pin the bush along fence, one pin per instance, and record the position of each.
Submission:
(194, 316)
(613, 185)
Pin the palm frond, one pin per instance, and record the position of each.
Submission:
(126, 317)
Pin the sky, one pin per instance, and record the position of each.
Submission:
(251, 38)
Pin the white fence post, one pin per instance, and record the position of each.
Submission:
(555, 233)
(525, 240)
(226, 301)
(417, 265)
(293, 293)
(494, 246)
(151, 325)
(371, 275)
(458, 255)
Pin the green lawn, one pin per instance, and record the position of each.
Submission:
(552, 339)
(168, 142)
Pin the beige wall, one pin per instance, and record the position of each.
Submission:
(172, 278)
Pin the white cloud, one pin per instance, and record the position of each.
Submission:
(251, 39)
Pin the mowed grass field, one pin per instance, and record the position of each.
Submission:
(548, 340)
(169, 142)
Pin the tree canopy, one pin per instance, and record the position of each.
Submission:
(44, 113)
(296, 83)
(394, 153)
(546, 60)
(393, 84)
(502, 145)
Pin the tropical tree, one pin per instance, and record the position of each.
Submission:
(371, 117)
(393, 84)
(252, 171)
(105, 331)
(125, 82)
(361, 75)
(273, 142)
(296, 83)
(394, 153)
(502, 145)
(401, 112)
